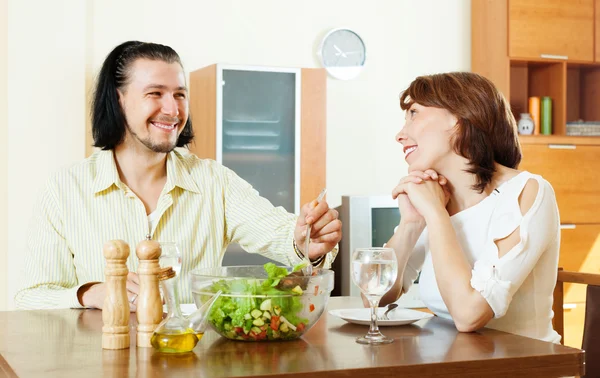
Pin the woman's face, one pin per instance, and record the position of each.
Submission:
(426, 137)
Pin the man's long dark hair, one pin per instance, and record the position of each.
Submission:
(108, 120)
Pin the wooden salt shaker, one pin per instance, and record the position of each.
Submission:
(149, 304)
(115, 311)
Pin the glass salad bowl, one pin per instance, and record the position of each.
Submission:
(262, 303)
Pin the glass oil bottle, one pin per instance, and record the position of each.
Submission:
(178, 333)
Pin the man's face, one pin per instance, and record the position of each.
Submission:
(155, 104)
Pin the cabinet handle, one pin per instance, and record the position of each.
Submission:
(569, 306)
(552, 56)
(567, 226)
(562, 146)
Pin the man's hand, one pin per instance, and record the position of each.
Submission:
(92, 295)
(325, 232)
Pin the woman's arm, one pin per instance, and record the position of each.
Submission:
(408, 232)
(469, 310)
(467, 306)
(403, 242)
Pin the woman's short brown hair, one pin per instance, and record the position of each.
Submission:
(486, 132)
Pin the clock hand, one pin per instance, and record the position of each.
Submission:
(339, 51)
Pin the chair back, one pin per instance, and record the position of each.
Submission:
(591, 332)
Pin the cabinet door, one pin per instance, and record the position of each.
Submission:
(538, 28)
(269, 126)
(258, 139)
(574, 172)
(260, 133)
(579, 252)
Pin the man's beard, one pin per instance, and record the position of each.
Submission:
(155, 147)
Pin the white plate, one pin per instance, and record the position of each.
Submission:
(399, 316)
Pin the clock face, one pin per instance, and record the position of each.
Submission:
(343, 53)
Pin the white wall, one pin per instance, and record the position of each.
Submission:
(46, 102)
(3, 151)
(404, 38)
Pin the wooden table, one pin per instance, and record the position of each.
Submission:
(67, 343)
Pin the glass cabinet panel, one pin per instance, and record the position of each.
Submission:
(258, 139)
(258, 132)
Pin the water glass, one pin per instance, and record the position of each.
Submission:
(170, 256)
(374, 271)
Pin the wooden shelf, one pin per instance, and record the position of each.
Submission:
(583, 94)
(508, 38)
(534, 78)
(546, 60)
(559, 139)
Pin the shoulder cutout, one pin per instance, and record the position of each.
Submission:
(528, 195)
(506, 241)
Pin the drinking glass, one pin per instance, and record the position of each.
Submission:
(374, 271)
(170, 256)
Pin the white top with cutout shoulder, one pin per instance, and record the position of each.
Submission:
(519, 285)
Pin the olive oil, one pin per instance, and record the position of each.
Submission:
(178, 333)
(175, 341)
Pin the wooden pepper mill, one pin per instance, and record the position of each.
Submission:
(115, 311)
(149, 304)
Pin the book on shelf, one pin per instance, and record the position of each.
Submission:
(583, 128)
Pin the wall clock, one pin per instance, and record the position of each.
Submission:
(343, 53)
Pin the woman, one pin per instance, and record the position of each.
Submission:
(484, 235)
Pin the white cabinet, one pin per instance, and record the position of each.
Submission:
(268, 125)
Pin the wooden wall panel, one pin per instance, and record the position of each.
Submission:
(489, 36)
(313, 133)
(203, 111)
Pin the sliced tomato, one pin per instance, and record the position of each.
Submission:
(238, 330)
(300, 327)
(311, 307)
(275, 322)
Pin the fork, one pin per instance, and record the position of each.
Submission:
(390, 307)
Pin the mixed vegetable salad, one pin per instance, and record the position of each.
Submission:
(250, 310)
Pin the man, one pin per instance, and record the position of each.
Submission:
(139, 184)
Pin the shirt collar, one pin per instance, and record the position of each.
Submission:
(177, 173)
(106, 171)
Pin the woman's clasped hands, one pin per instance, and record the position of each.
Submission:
(421, 194)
